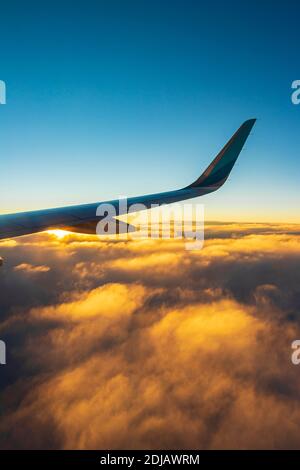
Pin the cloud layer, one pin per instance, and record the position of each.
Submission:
(142, 344)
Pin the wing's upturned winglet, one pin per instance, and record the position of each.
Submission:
(218, 171)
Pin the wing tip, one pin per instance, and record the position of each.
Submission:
(249, 123)
(219, 169)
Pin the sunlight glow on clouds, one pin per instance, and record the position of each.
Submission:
(141, 344)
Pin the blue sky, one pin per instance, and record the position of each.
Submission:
(132, 97)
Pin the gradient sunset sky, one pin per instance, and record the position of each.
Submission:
(127, 98)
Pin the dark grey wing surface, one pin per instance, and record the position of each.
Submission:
(83, 219)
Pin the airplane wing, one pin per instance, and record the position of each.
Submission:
(83, 219)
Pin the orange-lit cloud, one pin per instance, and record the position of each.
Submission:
(28, 268)
(142, 344)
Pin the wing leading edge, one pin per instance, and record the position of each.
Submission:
(82, 218)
